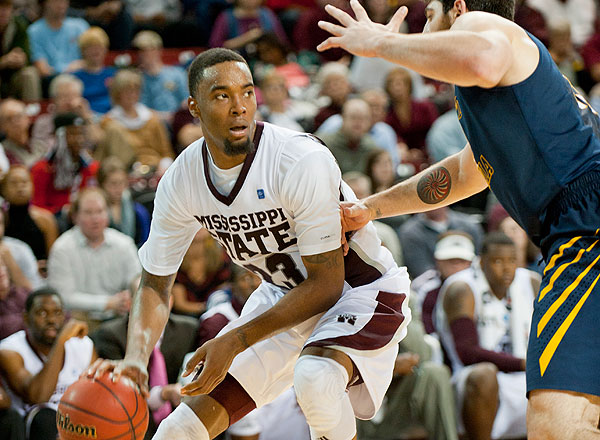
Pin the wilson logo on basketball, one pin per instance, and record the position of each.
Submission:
(63, 421)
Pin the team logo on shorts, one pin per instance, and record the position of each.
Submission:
(347, 317)
(260, 193)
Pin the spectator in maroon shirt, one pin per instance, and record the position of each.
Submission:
(531, 20)
(410, 119)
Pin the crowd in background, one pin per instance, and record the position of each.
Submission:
(93, 110)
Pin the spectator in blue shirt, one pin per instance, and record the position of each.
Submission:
(95, 75)
(164, 88)
(53, 39)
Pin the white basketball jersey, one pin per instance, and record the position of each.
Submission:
(78, 356)
(284, 205)
(502, 324)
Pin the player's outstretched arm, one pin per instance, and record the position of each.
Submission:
(476, 52)
(448, 181)
(321, 289)
(148, 317)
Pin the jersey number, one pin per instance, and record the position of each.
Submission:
(279, 263)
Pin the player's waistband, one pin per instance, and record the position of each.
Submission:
(571, 195)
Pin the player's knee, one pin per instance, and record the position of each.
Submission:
(482, 381)
(182, 424)
(320, 385)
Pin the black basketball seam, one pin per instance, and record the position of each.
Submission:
(62, 402)
(120, 436)
(120, 403)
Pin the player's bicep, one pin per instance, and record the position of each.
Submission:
(13, 369)
(327, 270)
(470, 173)
(161, 284)
(459, 302)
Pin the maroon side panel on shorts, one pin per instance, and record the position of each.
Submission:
(380, 329)
(234, 398)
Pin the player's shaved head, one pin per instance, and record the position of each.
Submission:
(206, 60)
(503, 8)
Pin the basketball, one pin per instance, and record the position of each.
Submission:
(100, 409)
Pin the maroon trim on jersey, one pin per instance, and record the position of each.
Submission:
(228, 200)
(357, 272)
(234, 398)
(380, 329)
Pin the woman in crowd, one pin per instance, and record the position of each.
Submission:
(127, 216)
(204, 269)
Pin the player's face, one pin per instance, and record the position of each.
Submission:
(499, 265)
(46, 319)
(436, 19)
(226, 107)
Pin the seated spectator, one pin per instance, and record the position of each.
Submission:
(454, 251)
(281, 418)
(12, 425)
(483, 318)
(445, 137)
(383, 135)
(95, 76)
(24, 221)
(411, 119)
(94, 267)
(164, 88)
(333, 79)
(279, 108)
(110, 15)
(419, 234)
(12, 303)
(67, 168)
(125, 215)
(110, 340)
(186, 129)
(273, 53)
(51, 39)
(380, 169)
(18, 78)
(66, 94)
(351, 144)
(236, 27)
(146, 135)
(40, 362)
(204, 269)
(23, 257)
(18, 145)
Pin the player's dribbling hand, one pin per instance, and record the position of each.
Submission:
(210, 364)
(357, 36)
(133, 370)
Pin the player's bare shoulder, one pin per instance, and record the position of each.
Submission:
(524, 52)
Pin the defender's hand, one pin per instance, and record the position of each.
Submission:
(355, 215)
(357, 36)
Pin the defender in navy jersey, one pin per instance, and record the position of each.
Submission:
(328, 324)
(535, 142)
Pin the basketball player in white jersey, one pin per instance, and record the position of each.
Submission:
(483, 317)
(325, 323)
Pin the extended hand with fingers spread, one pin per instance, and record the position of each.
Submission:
(357, 36)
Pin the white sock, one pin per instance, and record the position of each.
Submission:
(182, 424)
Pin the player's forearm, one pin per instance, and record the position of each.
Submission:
(42, 385)
(450, 180)
(313, 296)
(463, 58)
(149, 315)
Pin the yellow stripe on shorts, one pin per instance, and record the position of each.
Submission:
(550, 349)
(561, 251)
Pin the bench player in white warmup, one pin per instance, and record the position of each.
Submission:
(328, 324)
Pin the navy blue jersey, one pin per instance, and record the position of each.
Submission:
(530, 139)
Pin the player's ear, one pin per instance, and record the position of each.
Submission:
(460, 8)
(193, 107)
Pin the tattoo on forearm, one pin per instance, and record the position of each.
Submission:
(378, 213)
(434, 186)
(331, 260)
(242, 338)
